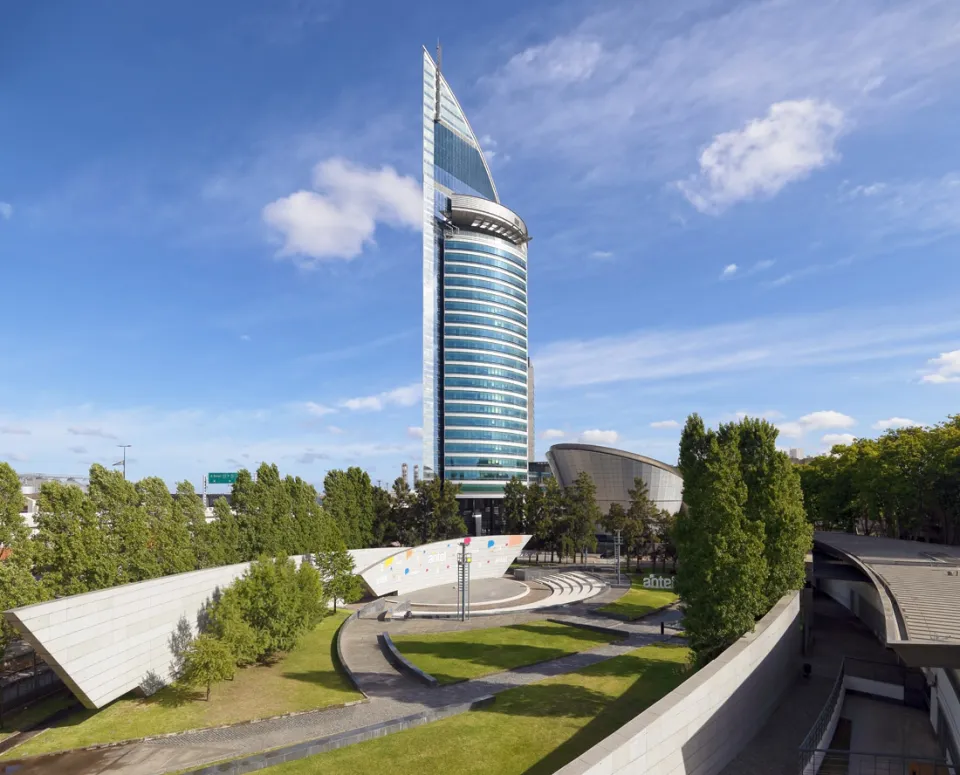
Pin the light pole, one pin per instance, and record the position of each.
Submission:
(617, 552)
(124, 461)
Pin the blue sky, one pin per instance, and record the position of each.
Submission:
(209, 222)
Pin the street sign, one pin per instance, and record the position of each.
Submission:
(221, 478)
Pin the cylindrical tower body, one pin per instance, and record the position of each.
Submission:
(484, 361)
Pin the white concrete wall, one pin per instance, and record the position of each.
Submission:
(701, 725)
(430, 565)
(365, 558)
(876, 688)
(104, 644)
(840, 591)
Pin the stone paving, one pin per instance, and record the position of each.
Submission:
(391, 694)
(774, 749)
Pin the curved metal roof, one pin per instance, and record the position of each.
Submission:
(919, 588)
(617, 453)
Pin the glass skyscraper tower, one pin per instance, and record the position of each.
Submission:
(475, 366)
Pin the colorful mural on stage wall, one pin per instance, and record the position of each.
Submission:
(433, 564)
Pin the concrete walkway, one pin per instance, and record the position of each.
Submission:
(391, 697)
(774, 750)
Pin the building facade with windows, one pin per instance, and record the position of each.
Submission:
(476, 417)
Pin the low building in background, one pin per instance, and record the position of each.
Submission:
(613, 472)
(538, 472)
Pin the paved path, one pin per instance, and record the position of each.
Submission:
(774, 749)
(389, 699)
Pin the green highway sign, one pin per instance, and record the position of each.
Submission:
(221, 478)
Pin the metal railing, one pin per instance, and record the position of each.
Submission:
(815, 757)
(27, 687)
(810, 748)
(853, 763)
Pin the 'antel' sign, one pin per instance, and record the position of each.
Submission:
(658, 582)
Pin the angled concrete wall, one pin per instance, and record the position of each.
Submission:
(433, 564)
(106, 643)
(703, 723)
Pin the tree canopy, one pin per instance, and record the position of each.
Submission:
(905, 484)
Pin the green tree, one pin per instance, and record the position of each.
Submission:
(270, 599)
(642, 514)
(537, 523)
(384, 527)
(554, 517)
(337, 572)
(18, 587)
(515, 505)
(313, 594)
(722, 571)
(615, 522)
(406, 529)
(437, 511)
(227, 622)
(170, 542)
(126, 531)
(227, 531)
(348, 499)
(243, 501)
(71, 550)
(208, 660)
(583, 514)
(310, 523)
(191, 543)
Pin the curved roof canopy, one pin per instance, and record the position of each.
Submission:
(618, 453)
(919, 588)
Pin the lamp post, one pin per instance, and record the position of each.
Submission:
(124, 461)
(616, 548)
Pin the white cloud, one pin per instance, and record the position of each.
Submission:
(317, 410)
(415, 432)
(761, 266)
(244, 337)
(841, 338)
(831, 439)
(86, 431)
(928, 206)
(181, 444)
(665, 424)
(14, 430)
(309, 457)
(339, 219)
(816, 421)
(335, 430)
(794, 138)
(766, 414)
(563, 60)
(15, 457)
(729, 270)
(78, 450)
(408, 395)
(653, 81)
(552, 433)
(894, 422)
(6, 210)
(599, 437)
(601, 254)
(946, 368)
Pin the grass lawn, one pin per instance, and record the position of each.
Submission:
(457, 656)
(304, 679)
(34, 714)
(640, 601)
(533, 730)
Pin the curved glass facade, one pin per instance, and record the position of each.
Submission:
(475, 379)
